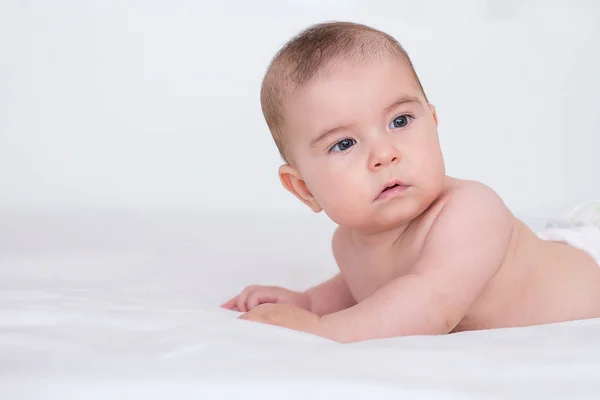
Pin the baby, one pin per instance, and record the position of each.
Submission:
(419, 252)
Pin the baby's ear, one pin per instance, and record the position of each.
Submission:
(292, 181)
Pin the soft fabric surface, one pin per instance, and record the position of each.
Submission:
(101, 305)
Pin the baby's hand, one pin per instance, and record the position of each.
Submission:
(287, 316)
(255, 295)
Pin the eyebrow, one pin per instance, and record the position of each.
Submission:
(401, 100)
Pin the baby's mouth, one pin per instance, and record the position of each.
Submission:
(391, 189)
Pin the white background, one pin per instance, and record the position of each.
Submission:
(155, 104)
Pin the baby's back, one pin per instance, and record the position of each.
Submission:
(539, 282)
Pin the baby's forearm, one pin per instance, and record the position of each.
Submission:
(330, 296)
(409, 305)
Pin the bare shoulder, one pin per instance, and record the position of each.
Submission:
(471, 199)
(471, 189)
(471, 211)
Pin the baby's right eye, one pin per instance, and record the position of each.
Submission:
(342, 145)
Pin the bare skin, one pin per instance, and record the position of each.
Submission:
(418, 252)
(537, 281)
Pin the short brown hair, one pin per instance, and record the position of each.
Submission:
(304, 56)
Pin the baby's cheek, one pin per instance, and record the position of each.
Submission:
(334, 190)
(344, 202)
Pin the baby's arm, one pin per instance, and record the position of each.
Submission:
(464, 248)
(330, 296)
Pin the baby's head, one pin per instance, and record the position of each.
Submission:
(349, 116)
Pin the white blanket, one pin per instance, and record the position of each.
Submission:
(118, 306)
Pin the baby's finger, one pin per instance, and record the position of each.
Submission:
(242, 299)
(230, 304)
(256, 298)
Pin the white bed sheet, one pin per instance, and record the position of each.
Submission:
(104, 305)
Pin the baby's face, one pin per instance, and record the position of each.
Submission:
(359, 128)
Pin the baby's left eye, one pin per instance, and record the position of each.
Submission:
(400, 121)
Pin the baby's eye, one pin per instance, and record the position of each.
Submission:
(400, 121)
(342, 145)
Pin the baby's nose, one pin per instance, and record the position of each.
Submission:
(380, 164)
(383, 155)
